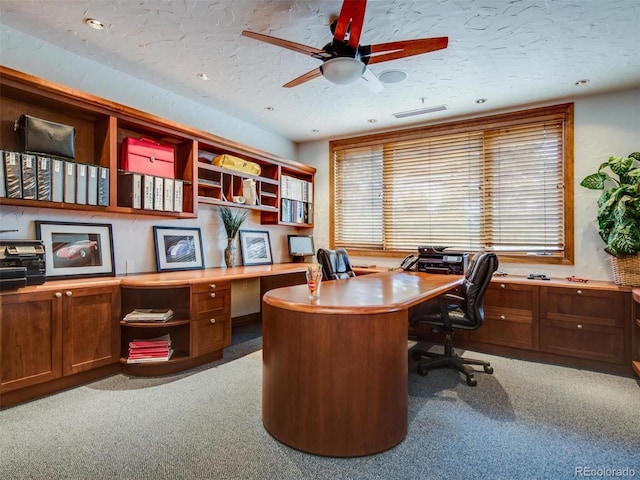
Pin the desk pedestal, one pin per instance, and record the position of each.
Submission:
(335, 384)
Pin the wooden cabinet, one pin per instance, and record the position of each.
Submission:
(31, 332)
(90, 333)
(511, 316)
(635, 333)
(199, 330)
(212, 316)
(102, 125)
(585, 323)
(53, 333)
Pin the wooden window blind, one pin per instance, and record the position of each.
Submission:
(495, 183)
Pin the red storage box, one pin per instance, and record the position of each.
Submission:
(142, 155)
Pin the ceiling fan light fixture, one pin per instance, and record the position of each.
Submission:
(342, 70)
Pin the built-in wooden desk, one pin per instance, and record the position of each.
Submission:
(335, 369)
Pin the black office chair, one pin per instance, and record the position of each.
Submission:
(463, 311)
(335, 264)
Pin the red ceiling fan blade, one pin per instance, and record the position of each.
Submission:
(405, 48)
(350, 22)
(296, 47)
(304, 78)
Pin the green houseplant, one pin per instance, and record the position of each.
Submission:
(232, 223)
(619, 208)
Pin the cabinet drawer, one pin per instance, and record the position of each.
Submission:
(509, 330)
(212, 286)
(212, 303)
(593, 342)
(512, 299)
(213, 333)
(583, 306)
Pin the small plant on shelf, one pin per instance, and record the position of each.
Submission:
(232, 222)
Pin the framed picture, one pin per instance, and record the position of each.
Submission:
(75, 250)
(178, 248)
(255, 247)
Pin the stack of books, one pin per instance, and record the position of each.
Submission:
(150, 350)
(149, 315)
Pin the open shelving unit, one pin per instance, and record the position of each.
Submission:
(101, 126)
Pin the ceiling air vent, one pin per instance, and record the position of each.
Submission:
(420, 111)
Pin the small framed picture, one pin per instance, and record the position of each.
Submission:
(75, 250)
(178, 248)
(255, 247)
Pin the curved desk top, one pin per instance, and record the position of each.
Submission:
(367, 294)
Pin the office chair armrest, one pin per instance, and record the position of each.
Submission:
(447, 303)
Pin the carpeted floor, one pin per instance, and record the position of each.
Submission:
(527, 421)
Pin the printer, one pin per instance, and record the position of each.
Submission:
(433, 259)
(22, 262)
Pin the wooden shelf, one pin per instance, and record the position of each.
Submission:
(102, 125)
(169, 323)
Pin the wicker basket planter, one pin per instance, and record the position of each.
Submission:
(626, 270)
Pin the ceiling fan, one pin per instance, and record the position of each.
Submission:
(344, 60)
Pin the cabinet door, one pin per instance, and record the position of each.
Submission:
(31, 339)
(212, 316)
(584, 323)
(511, 316)
(91, 332)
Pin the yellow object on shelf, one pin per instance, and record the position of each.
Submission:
(238, 164)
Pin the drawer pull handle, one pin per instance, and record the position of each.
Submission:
(579, 326)
(58, 295)
(212, 320)
(212, 295)
(68, 293)
(502, 317)
(502, 285)
(212, 286)
(579, 292)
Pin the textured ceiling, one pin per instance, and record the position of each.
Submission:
(511, 52)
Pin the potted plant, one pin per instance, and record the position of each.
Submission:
(619, 214)
(232, 223)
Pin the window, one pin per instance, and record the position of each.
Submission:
(501, 183)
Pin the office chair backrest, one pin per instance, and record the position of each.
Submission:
(335, 263)
(475, 284)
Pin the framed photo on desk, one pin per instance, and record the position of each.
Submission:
(178, 248)
(255, 247)
(76, 250)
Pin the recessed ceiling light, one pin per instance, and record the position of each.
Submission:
(94, 23)
(392, 76)
(584, 81)
(202, 76)
(372, 120)
(481, 100)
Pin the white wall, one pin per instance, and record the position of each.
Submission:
(605, 125)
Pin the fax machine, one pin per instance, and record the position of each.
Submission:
(439, 260)
(22, 262)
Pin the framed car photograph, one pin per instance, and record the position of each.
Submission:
(75, 250)
(255, 247)
(178, 248)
